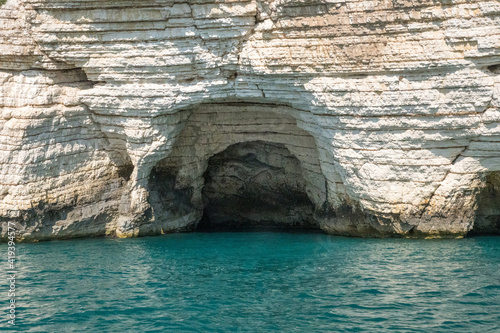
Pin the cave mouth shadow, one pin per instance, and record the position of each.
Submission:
(487, 219)
(256, 186)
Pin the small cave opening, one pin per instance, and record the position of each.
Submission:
(488, 207)
(168, 200)
(495, 69)
(255, 186)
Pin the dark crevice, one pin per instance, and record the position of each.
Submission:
(125, 171)
(494, 68)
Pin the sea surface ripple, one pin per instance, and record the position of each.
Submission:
(256, 282)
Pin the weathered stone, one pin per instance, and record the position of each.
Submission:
(112, 110)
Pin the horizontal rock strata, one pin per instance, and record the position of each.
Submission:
(385, 113)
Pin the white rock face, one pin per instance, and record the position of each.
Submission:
(391, 107)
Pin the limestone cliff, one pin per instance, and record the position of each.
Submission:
(360, 117)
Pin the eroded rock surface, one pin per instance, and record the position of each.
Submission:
(112, 110)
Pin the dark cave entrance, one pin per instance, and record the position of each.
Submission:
(488, 207)
(168, 200)
(238, 166)
(255, 186)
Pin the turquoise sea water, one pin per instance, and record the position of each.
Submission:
(256, 282)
